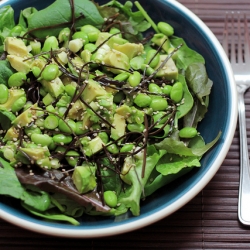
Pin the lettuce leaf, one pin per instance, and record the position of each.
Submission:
(185, 55)
(11, 186)
(47, 22)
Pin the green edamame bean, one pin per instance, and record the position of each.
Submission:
(62, 110)
(154, 57)
(32, 130)
(127, 148)
(18, 104)
(51, 122)
(142, 100)
(167, 90)
(17, 79)
(149, 70)
(50, 108)
(188, 132)
(64, 35)
(62, 139)
(60, 150)
(40, 122)
(90, 47)
(67, 126)
(134, 79)
(136, 62)
(41, 139)
(52, 146)
(114, 30)
(154, 88)
(50, 72)
(72, 157)
(118, 97)
(104, 136)
(134, 127)
(36, 71)
(122, 77)
(110, 198)
(176, 92)
(79, 130)
(165, 28)
(8, 154)
(92, 32)
(70, 89)
(113, 149)
(158, 104)
(4, 94)
(51, 43)
(82, 35)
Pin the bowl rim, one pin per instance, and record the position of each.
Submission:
(177, 204)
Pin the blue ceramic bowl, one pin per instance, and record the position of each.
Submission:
(222, 115)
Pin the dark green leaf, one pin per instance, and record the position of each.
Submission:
(24, 15)
(161, 180)
(6, 17)
(5, 71)
(60, 12)
(9, 184)
(173, 146)
(66, 205)
(185, 55)
(51, 215)
(6, 117)
(35, 198)
(188, 103)
(172, 164)
(198, 81)
(195, 115)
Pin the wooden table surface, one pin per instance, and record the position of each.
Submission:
(209, 221)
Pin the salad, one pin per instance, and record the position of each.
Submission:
(99, 108)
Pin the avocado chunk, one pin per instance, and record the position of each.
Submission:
(14, 94)
(93, 146)
(161, 40)
(117, 59)
(124, 110)
(130, 49)
(169, 71)
(15, 46)
(76, 111)
(92, 90)
(38, 62)
(86, 122)
(110, 42)
(84, 178)
(19, 64)
(36, 153)
(26, 117)
(119, 124)
(11, 134)
(54, 87)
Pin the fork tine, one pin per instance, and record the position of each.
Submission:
(225, 36)
(239, 33)
(233, 55)
(247, 41)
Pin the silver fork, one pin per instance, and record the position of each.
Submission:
(239, 56)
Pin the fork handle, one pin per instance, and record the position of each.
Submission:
(244, 188)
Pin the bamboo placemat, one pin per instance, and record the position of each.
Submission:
(209, 221)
